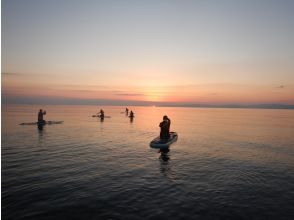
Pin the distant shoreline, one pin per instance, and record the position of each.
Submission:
(257, 106)
(154, 104)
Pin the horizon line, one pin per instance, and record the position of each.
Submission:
(146, 103)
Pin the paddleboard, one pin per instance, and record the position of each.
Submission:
(164, 143)
(98, 116)
(46, 123)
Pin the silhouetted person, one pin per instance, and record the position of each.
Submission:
(131, 116)
(40, 117)
(101, 114)
(127, 111)
(164, 128)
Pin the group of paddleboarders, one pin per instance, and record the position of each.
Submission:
(164, 125)
(100, 114)
(132, 115)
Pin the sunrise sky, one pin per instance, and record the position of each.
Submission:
(201, 51)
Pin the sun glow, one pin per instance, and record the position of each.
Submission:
(153, 98)
(155, 93)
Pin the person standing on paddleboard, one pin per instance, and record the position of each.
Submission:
(164, 127)
(40, 116)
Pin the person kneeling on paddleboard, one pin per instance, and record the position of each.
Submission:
(40, 117)
(101, 114)
(164, 128)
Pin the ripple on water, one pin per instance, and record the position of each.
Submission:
(85, 169)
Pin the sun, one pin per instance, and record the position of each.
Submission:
(153, 94)
(153, 98)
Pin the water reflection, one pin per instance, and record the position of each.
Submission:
(40, 127)
(41, 132)
(165, 166)
(131, 119)
(164, 155)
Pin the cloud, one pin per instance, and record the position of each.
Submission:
(130, 94)
(12, 74)
(22, 74)
(280, 87)
(55, 100)
(82, 90)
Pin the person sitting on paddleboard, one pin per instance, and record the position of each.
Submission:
(132, 114)
(164, 128)
(40, 116)
(101, 113)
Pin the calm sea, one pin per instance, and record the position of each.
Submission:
(226, 164)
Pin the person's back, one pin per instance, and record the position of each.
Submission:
(164, 128)
(131, 114)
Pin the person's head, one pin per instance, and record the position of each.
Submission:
(41, 110)
(165, 117)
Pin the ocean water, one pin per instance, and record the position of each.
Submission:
(226, 164)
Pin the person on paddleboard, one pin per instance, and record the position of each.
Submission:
(164, 127)
(127, 111)
(40, 116)
(101, 114)
(132, 114)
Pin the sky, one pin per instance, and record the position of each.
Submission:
(157, 51)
